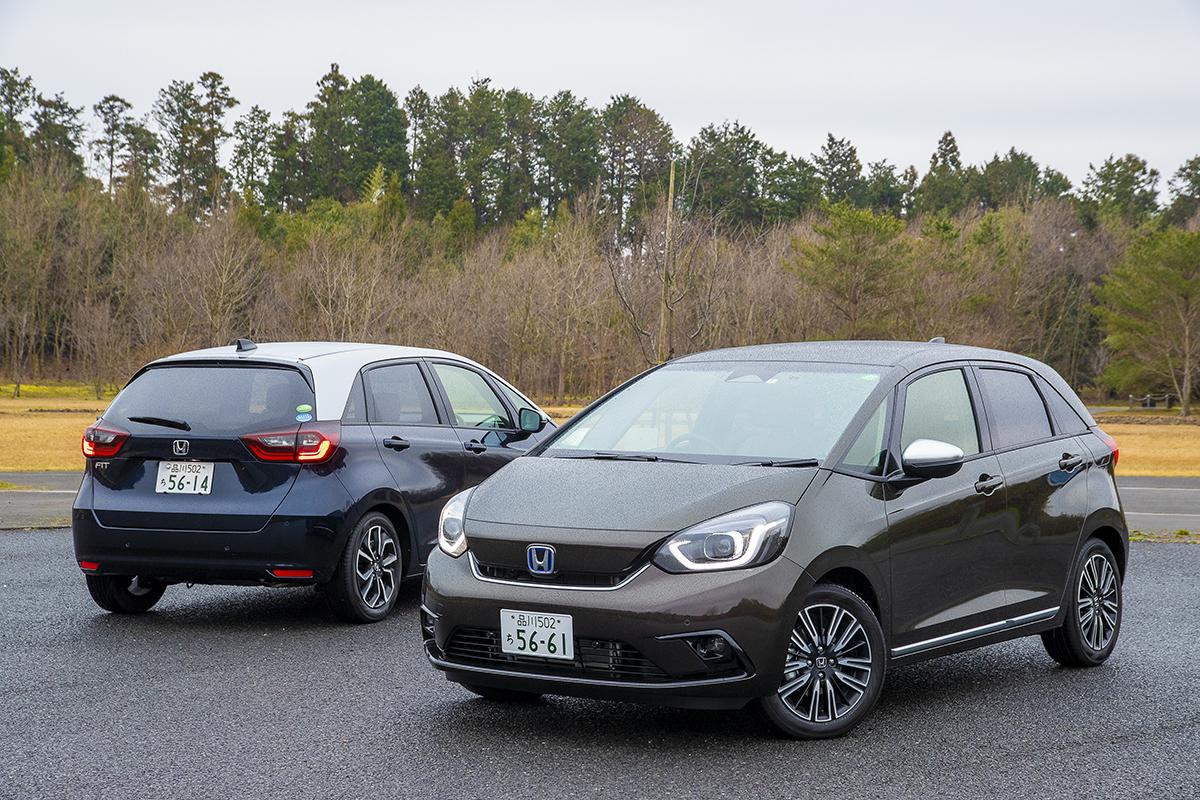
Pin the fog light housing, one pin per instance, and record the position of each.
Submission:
(712, 648)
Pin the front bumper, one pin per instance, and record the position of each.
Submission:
(632, 642)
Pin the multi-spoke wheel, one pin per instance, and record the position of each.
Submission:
(375, 566)
(1089, 632)
(363, 588)
(833, 669)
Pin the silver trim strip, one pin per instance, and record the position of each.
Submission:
(971, 633)
(479, 576)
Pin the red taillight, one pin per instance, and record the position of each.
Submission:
(308, 445)
(292, 573)
(89, 566)
(103, 440)
(1112, 445)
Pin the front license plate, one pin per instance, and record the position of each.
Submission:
(184, 477)
(532, 633)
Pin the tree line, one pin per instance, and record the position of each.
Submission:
(565, 244)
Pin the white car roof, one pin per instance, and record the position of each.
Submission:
(334, 365)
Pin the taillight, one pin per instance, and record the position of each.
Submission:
(89, 566)
(292, 573)
(103, 440)
(1111, 443)
(312, 444)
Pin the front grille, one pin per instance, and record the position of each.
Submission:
(590, 580)
(594, 658)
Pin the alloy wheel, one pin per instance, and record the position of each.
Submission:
(375, 567)
(828, 666)
(1097, 602)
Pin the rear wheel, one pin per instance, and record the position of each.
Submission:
(124, 594)
(833, 669)
(1089, 633)
(367, 578)
(501, 695)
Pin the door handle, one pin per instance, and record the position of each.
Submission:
(396, 443)
(1069, 461)
(988, 484)
(475, 447)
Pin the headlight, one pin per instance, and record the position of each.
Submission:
(744, 538)
(451, 536)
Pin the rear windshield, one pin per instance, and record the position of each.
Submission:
(214, 400)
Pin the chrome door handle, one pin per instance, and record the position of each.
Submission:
(396, 443)
(475, 447)
(988, 484)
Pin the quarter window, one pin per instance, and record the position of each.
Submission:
(1066, 418)
(1015, 409)
(400, 396)
(938, 407)
(868, 452)
(473, 404)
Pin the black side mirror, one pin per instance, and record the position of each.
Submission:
(530, 421)
(929, 458)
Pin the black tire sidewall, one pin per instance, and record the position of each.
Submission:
(111, 592)
(1072, 628)
(777, 712)
(346, 580)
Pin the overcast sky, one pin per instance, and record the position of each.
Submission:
(1069, 82)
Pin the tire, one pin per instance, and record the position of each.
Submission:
(847, 686)
(367, 578)
(502, 695)
(1094, 607)
(124, 594)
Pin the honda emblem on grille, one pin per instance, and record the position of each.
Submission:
(540, 559)
(180, 447)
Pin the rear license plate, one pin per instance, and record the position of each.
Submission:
(184, 477)
(533, 633)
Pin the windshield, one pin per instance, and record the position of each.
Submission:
(213, 400)
(726, 412)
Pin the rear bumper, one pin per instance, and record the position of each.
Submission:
(211, 556)
(651, 617)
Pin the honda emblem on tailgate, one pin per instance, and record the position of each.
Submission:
(180, 447)
(540, 559)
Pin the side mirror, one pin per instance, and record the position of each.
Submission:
(929, 458)
(530, 421)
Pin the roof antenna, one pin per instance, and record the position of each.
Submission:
(934, 340)
(244, 345)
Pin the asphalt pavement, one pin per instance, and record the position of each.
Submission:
(250, 692)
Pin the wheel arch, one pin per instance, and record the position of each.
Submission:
(391, 504)
(1108, 525)
(855, 570)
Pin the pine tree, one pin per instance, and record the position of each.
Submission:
(569, 144)
(215, 101)
(57, 130)
(944, 187)
(840, 171)
(251, 161)
(180, 119)
(289, 181)
(1125, 187)
(109, 146)
(378, 130)
(330, 138)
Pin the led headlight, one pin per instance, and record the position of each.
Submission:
(452, 539)
(744, 538)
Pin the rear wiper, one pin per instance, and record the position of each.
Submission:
(163, 422)
(627, 457)
(784, 462)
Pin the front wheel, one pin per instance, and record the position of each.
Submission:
(368, 576)
(124, 594)
(1089, 633)
(833, 669)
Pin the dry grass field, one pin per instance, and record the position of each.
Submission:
(40, 431)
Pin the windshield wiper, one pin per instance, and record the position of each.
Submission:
(783, 462)
(627, 457)
(162, 422)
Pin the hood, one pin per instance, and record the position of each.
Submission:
(602, 516)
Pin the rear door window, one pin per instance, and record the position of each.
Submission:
(1015, 409)
(938, 407)
(399, 396)
(214, 400)
(473, 404)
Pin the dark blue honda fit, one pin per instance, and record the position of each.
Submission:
(318, 463)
